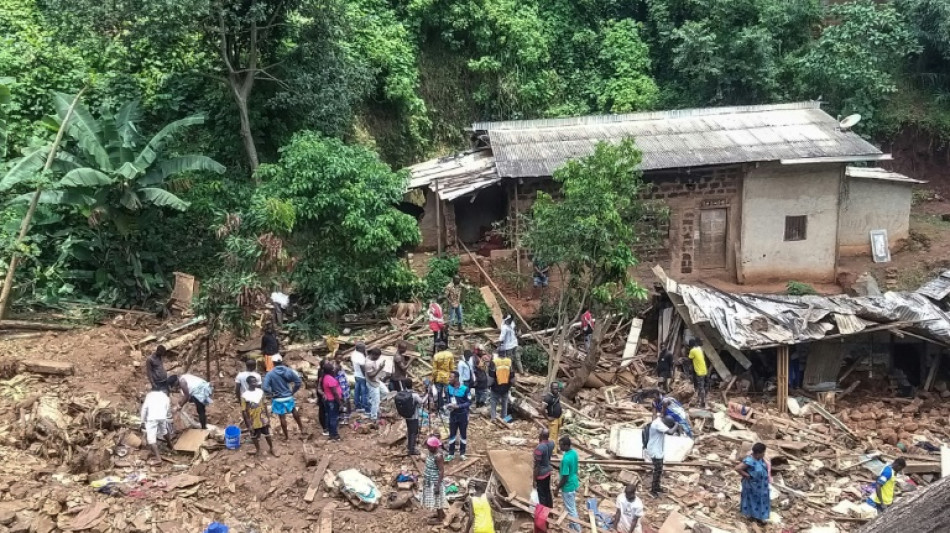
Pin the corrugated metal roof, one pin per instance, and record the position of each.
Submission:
(937, 288)
(674, 139)
(879, 174)
(751, 321)
(457, 175)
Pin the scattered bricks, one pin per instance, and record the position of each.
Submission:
(910, 426)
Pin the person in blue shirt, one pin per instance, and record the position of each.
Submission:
(458, 404)
(673, 409)
(281, 384)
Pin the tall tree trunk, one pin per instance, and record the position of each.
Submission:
(576, 383)
(28, 218)
(247, 137)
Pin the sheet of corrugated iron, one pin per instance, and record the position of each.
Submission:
(674, 139)
(457, 175)
(937, 288)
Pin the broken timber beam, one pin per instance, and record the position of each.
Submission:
(315, 483)
(326, 518)
(492, 304)
(35, 326)
(50, 368)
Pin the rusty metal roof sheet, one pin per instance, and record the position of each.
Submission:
(752, 321)
(456, 175)
(880, 174)
(937, 288)
(680, 138)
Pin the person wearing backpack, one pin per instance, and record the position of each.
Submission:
(408, 404)
(502, 376)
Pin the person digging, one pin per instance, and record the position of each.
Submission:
(256, 415)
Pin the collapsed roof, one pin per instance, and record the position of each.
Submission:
(758, 321)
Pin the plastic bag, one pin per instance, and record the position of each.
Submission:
(534, 498)
(483, 520)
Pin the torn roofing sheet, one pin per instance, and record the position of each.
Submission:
(750, 321)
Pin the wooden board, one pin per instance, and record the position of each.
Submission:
(492, 304)
(514, 470)
(191, 440)
(315, 482)
(53, 368)
(674, 523)
(633, 342)
(326, 518)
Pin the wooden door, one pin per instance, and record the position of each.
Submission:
(712, 238)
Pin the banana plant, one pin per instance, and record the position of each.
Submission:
(110, 171)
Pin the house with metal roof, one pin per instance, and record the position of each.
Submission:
(754, 193)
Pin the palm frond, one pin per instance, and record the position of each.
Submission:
(57, 197)
(84, 129)
(187, 163)
(163, 198)
(85, 177)
(26, 167)
(149, 154)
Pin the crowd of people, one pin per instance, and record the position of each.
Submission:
(478, 378)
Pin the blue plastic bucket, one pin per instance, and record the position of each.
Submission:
(232, 437)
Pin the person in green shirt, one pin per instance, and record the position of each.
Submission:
(569, 481)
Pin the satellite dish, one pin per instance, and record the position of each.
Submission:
(849, 122)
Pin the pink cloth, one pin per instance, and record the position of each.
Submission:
(331, 388)
(541, 518)
(435, 310)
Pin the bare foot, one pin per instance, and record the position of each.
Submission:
(274, 453)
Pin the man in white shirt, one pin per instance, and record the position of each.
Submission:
(659, 429)
(629, 511)
(360, 389)
(240, 382)
(508, 343)
(155, 415)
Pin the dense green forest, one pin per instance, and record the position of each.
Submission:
(260, 141)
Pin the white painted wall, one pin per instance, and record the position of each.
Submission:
(869, 204)
(771, 192)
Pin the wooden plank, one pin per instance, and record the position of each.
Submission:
(161, 334)
(683, 311)
(633, 343)
(326, 518)
(782, 379)
(461, 467)
(191, 440)
(814, 406)
(52, 368)
(35, 326)
(674, 523)
(492, 304)
(315, 483)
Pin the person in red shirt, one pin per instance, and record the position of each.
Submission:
(332, 398)
(587, 327)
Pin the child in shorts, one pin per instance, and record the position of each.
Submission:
(256, 415)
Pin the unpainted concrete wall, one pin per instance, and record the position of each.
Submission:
(869, 204)
(772, 192)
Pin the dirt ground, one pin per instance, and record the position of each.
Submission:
(265, 494)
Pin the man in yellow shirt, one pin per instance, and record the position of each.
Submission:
(700, 373)
(443, 364)
(883, 495)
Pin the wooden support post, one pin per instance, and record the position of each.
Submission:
(783, 379)
(438, 219)
(934, 367)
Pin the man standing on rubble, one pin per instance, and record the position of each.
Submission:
(664, 370)
(240, 382)
(374, 371)
(270, 346)
(570, 481)
(155, 369)
(281, 384)
(508, 343)
(543, 469)
(629, 511)
(700, 372)
(458, 404)
(502, 376)
(360, 389)
(658, 430)
(399, 380)
(453, 294)
(553, 410)
(443, 364)
(883, 495)
(156, 415)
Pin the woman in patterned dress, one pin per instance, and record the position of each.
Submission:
(433, 494)
(755, 503)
